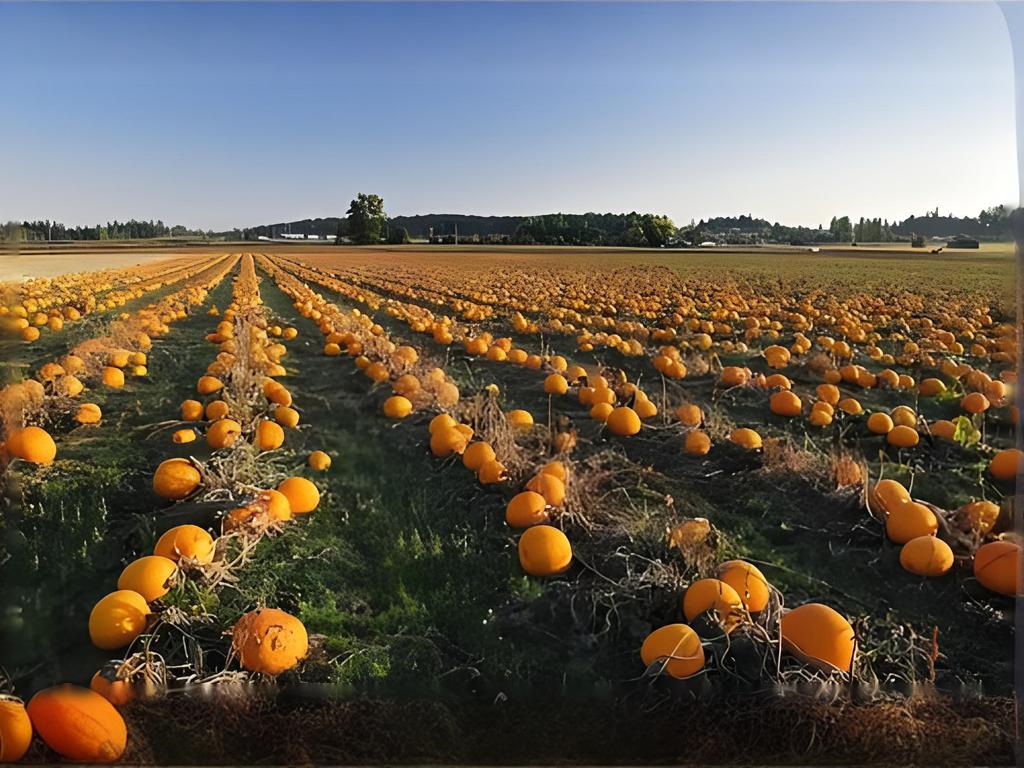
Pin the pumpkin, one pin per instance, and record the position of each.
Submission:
(183, 436)
(441, 421)
(555, 384)
(1006, 464)
(850, 406)
(902, 436)
(446, 441)
(520, 419)
(15, 729)
(175, 479)
(926, 556)
(78, 724)
(150, 576)
(32, 444)
(979, 516)
(113, 377)
(975, 402)
(997, 566)
(785, 403)
(319, 461)
(908, 520)
(276, 392)
(216, 409)
(644, 408)
(601, 411)
(186, 541)
(886, 495)
(931, 387)
(943, 428)
(286, 416)
(689, 415)
(555, 468)
(115, 690)
(491, 472)
(223, 433)
(748, 582)
(269, 435)
(544, 551)
(623, 421)
(677, 647)
(697, 443)
(117, 619)
(820, 636)
(713, 595)
(746, 438)
(397, 407)
(828, 393)
(903, 416)
(207, 385)
(526, 509)
(269, 641)
(548, 486)
(820, 417)
(477, 454)
(278, 506)
(302, 495)
(880, 423)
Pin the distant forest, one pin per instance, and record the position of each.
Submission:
(609, 229)
(112, 230)
(635, 229)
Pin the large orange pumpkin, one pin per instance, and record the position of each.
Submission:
(117, 619)
(677, 646)
(32, 444)
(526, 509)
(997, 566)
(78, 724)
(820, 636)
(15, 729)
(269, 641)
(188, 541)
(151, 576)
(302, 495)
(544, 551)
(175, 479)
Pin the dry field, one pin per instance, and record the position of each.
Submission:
(453, 505)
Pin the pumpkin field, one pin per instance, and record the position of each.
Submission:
(291, 505)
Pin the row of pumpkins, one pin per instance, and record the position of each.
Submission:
(83, 724)
(51, 302)
(102, 359)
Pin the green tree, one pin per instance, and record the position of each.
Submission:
(658, 230)
(366, 219)
(399, 236)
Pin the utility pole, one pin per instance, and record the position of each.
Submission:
(456, 233)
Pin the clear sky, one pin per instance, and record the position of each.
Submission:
(234, 115)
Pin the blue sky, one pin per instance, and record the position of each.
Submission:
(233, 114)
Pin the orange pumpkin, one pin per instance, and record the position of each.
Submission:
(117, 619)
(15, 729)
(302, 495)
(820, 636)
(269, 641)
(78, 724)
(175, 479)
(677, 647)
(544, 551)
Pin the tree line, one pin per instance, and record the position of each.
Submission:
(112, 230)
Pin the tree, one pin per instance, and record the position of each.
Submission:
(658, 230)
(399, 236)
(842, 229)
(366, 219)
